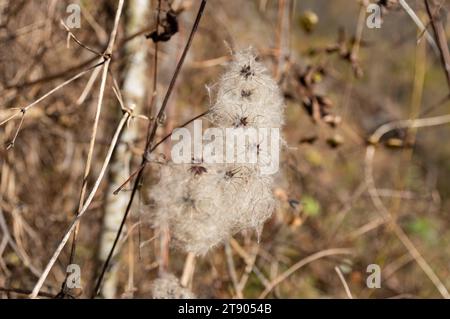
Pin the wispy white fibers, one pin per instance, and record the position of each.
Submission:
(247, 95)
(167, 286)
(204, 204)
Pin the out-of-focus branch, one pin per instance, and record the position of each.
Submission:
(300, 264)
(419, 24)
(150, 137)
(86, 203)
(134, 93)
(439, 33)
(378, 203)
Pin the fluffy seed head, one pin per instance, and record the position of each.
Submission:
(247, 90)
(204, 204)
(168, 287)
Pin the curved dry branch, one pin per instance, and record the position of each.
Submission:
(378, 203)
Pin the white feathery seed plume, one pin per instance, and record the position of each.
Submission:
(247, 95)
(204, 204)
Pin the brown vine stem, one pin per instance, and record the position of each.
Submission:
(82, 209)
(151, 136)
(439, 33)
(87, 169)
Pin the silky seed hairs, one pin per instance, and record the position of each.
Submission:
(204, 204)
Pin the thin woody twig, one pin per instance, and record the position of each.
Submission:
(26, 108)
(419, 24)
(81, 44)
(72, 69)
(88, 164)
(232, 270)
(376, 198)
(25, 292)
(154, 147)
(84, 208)
(344, 283)
(84, 204)
(21, 253)
(439, 33)
(150, 138)
(13, 141)
(300, 264)
(188, 270)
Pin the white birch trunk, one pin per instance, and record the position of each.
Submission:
(133, 91)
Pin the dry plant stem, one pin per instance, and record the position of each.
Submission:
(154, 147)
(26, 108)
(130, 286)
(134, 93)
(52, 77)
(359, 33)
(88, 87)
(416, 101)
(240, 251)
(439, 33)
(155, 65)
(443, 51)
(99, 31)
(376, 198)
(232, 270)
(390, 269)
(345, 209)
(88, 164)
(182, 125)
(149, 141)
(150, 108)
(73, 68)
(188, 270)
(280, 37)
(420, 68)
(403, 124)
(162, 259)
(419, 24)
(87, 168)
(354, 54)
(436, 105)
(83, 207)
(98, 287)
(300, 264)
(344, 283)
(175, 75)
(81, 44)
(20, 252)
(25, 292)
(96, 290)
(13, 141)
(250, 266)
(373, 224)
